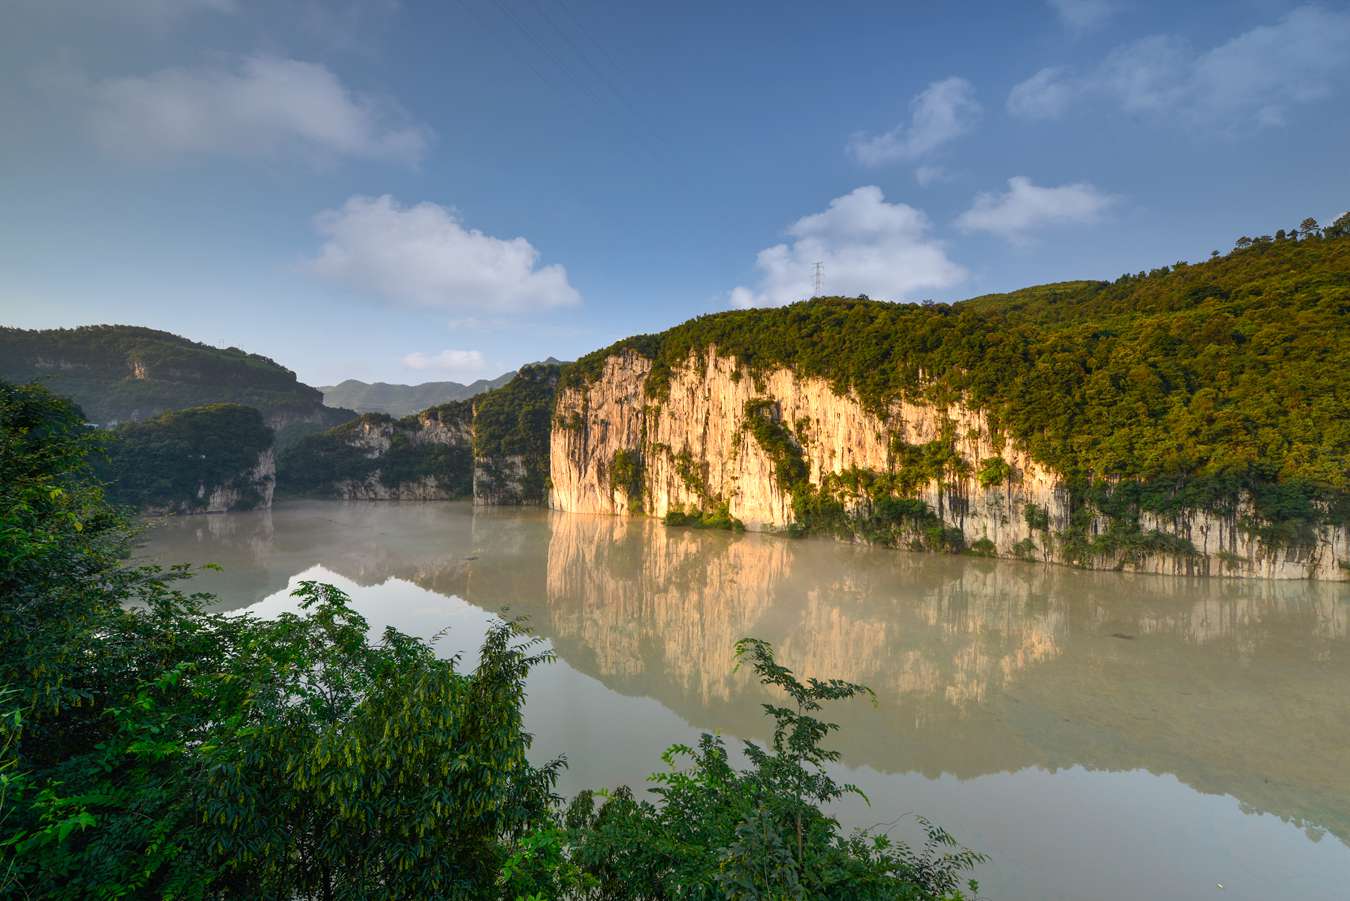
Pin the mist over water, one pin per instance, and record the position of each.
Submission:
(1099, 735)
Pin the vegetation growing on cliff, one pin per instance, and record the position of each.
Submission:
(319, 464)
(119, 373)
(177, 459)
(151, 749)
(860, 503)
(625, 473)
(513, 422)
(1167, 390)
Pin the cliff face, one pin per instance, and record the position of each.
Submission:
(250, 490)
(511, 438)
(493, 448)
(720, 439)
(375, 457)
(209, 459)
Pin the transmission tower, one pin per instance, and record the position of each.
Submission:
(820, 280)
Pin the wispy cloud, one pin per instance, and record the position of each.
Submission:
(942, 112)
(424, 255)
(1083, 15)
(1026, 207)
(1253, 79)
(262, 106)
(450, 362)
(929, 175)
(866, 246)
(1045, 95)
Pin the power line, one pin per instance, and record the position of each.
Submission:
(528, 62)
(586, 58)
(566, 7)
(541, 46)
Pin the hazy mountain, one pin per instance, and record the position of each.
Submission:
(402, 400)
(122, 373)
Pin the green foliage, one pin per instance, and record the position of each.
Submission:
(197, 755)
(993, 472)
(718, 832)
(1195, 381)
(151, 749)
(692, 474)
(1037, 517)
(118, 373)
(1122, 540)
(514, 421)
(982, 547)
(625, 473)
(317, 464)
(778, 443)
(175, 460)
(916, 465)
(718, 517)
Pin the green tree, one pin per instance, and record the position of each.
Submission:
(719, 832)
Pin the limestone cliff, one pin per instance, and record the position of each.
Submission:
(511, 438)
(777, 451)
(249, 490)
(376, 457)
(209, 459)
(493, 448)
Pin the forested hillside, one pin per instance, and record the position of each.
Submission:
(375, 456)
(1178, 387)
(213, 458)
(119, 373)
(494, 447)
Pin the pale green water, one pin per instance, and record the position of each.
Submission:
(1211, 745)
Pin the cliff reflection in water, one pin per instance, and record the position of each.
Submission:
(1236, 687)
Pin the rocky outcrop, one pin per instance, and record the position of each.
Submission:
(250, 490)
(767, 447)
(209, 459)
(376, 457)
(511, 438)
(502, 481)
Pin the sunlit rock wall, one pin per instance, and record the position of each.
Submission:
(696, 453)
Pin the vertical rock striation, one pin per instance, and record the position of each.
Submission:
(699, 449)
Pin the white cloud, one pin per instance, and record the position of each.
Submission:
(1026, 206)
(866, 246)
(261, 107)
(1045, 95)
(940, 113)
(1252, 79)
(423, 255)
(458, 362)
(1083, 15)
(927, 175)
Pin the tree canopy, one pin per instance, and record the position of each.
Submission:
(1195, 380)
(150, 748)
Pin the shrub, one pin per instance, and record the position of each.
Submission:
(1037, 517)
(994, 471)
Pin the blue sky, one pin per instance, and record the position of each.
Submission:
(413, 191)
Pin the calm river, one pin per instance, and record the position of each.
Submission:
(1099, 735)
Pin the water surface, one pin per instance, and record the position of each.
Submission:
(1100, 735)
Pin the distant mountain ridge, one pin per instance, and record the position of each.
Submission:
(123, 373)
(404, 400)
